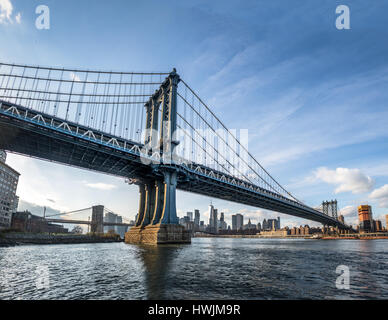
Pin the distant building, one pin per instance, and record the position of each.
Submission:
(365, 218)
(114, 218)
(250, 226)
(278, 233)
(341, 219)
(271, 224)
(377, 225)
(9, 179)
(386, 222)
(189, 225)
(190, 215)
(222, 224)
(237, 222)
(213, 219)
(27, 222)
(197, 218)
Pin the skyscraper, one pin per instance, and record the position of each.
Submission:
(211, 214)
(222, 223)
(9, 179)
(365, 218)
(239, 221)
(197, 217)
(234, 222)
(190, 215)
(213, 220)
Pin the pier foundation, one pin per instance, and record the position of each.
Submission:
(158, 234)
(157, 221)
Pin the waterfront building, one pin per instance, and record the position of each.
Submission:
(275, 233)
(250, 226)
(365, 218)
(190, 215)
(271, 224)
(9, 179)
(377, 225)
(259, 227)
(27, 222)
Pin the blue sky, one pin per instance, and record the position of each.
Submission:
(313, 98)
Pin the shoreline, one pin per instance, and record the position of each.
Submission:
(17, 239)
(355, 237)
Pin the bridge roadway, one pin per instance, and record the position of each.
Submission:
(87, 222)
(35, 134)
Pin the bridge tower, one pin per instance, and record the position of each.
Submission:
(157, 221)
(97, 224)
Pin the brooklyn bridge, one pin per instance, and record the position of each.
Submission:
(152, 129)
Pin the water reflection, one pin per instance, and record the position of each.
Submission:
(158, 261)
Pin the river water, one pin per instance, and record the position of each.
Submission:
(209, 268)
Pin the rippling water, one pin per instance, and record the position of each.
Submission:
(206, 269)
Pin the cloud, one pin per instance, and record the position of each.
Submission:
(37, 209)
(101, 186)
(381, 194)
(18, 18)
(349, 211)
(6, 9)
(347, 180)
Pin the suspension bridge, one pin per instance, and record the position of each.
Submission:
(97, 221)
(152, 129)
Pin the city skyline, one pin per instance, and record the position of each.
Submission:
(343, 155)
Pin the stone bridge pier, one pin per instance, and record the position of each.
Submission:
(157, 221)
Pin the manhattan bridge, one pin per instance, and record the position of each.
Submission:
(150, 128)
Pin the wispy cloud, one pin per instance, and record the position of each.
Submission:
(381, 195)
(18, 18)
(101, 186)
(6, 10)
(349, 211)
